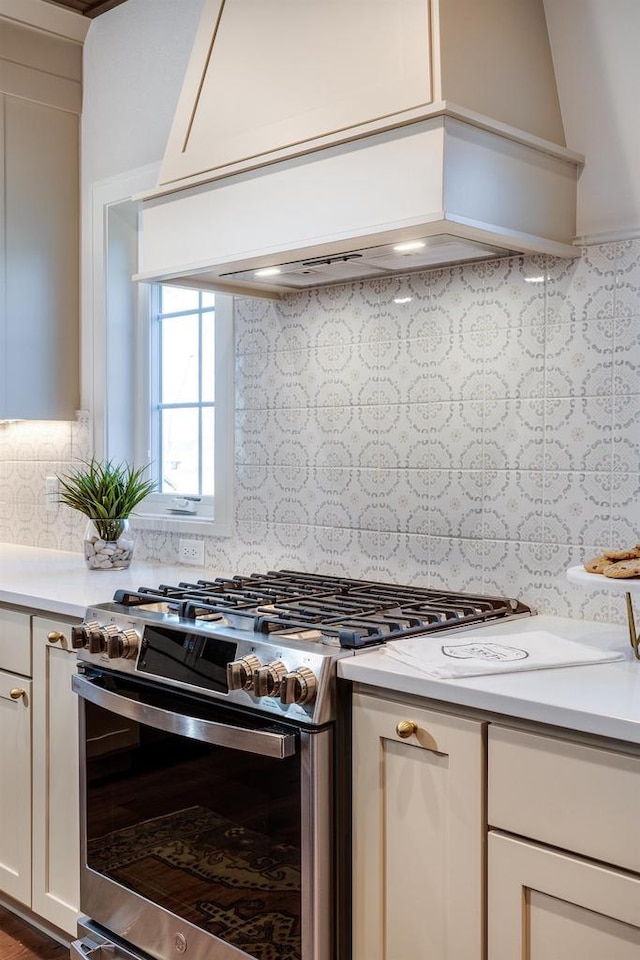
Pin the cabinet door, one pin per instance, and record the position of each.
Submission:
(56, 829)
(418, 821)
(39, 312)
(15, 642)
(15, 787)
(547, 905)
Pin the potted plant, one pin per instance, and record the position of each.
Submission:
(106, 493)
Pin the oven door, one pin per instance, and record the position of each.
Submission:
(204, 828)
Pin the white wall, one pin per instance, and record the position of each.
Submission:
(596, 46)
(135, 58)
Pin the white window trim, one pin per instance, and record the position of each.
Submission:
(97, 199)
(150, 514)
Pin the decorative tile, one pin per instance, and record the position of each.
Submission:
(332, 543)
(519, 302)
(514, 434)
(456, 503)
(504, 574)
(579, 434)
(628, 259)
(627, 299)
(474, 427)
(512, 504)
(456, 564)
(586, 289)
(253, 339)
(625, 455)
(514, 365)
(577, 508)
(625, 509)
(626, 357)
(626, 432)
(334, 299)
(579, 359)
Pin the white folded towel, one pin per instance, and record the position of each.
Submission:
(443, 659)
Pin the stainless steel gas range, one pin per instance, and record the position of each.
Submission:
(215, 760)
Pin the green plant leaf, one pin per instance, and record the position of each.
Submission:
(102, 490)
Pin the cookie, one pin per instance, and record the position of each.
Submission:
(597, 565)
(623, 569)
(615, 555)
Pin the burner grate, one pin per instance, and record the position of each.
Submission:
(355, 613)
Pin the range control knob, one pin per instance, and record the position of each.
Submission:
(267, 679)
(80, 633)
(123, 644)
(99, 638)
(240, 672)
(300, 686)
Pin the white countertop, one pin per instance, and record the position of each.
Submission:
(601, 699)
(60, 582)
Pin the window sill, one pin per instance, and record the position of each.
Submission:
(172, 523)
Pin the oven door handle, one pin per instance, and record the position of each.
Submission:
(266, 743)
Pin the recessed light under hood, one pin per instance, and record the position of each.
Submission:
(383, 261)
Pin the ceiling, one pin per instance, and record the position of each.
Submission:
(88, 8)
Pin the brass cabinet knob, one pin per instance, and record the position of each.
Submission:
(406, 728)
(54, 636)
(17, 692)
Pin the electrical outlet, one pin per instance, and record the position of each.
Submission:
(51, 494)
(191, 551)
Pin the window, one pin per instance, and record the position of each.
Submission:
(183, 390)
(157, 370)
(188, 430)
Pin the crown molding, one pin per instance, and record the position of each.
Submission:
(46, 16)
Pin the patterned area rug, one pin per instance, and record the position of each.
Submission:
(226, 879)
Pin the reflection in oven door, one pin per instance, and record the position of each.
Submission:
(192, 843)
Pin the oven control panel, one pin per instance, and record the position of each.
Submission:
(250, 672)
(272, 680)
(117, 643)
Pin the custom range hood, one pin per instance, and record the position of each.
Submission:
(319, 141)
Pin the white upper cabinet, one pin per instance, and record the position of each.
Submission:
(40, 102)
(270, 79)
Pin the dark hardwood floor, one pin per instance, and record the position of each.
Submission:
(20, 941)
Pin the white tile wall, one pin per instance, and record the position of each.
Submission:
(31, 451)
(476, 427)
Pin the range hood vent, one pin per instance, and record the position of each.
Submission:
(383, 261)
(442, 131)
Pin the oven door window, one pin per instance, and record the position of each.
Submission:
(210, 833)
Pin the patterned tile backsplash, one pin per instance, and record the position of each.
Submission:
(476, 427)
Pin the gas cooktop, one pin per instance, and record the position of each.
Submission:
(268, 641)
(335, 610)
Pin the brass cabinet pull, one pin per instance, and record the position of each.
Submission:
(17, 692)
(406, 728)
(54, 636)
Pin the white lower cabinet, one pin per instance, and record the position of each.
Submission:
(56, 828)
(418, 832)
(545, 904)
(15, 785)
(39, 796)
(564, 854)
